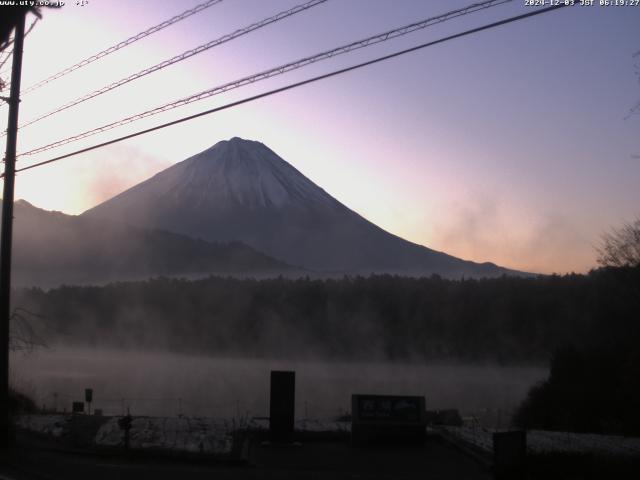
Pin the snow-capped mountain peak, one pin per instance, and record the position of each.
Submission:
(241, 172)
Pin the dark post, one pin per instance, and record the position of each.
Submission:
(7, 231)
(88, 397)
(282, 406)
(125, 425)
(509, 454)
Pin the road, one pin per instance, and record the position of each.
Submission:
(310, 460)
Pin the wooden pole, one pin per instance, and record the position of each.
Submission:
(7, 232)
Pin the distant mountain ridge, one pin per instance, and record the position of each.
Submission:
(240, 190)
(52, 248)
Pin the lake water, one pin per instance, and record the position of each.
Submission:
(172, 384)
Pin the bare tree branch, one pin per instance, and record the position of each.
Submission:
(23, 335)
(621, 246)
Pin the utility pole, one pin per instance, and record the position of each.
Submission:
(7, 232)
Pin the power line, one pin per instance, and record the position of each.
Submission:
(382, 37)
(178, 58)
(33, 24)
(6, 44)
(4, 60)
(124, 43)
(297, 84)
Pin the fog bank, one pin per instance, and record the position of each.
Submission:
(171, 384)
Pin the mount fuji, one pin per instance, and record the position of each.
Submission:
(240, 190)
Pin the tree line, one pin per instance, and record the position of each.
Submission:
(504, 320)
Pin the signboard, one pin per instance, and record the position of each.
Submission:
(78, 407)
(88, 395)
(387, 418)
(385, 408)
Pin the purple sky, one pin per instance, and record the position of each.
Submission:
(509, 146)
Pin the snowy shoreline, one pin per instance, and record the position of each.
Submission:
(219, 437)
(195, 435)
(541, 442)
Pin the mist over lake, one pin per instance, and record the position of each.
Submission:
(153, 383)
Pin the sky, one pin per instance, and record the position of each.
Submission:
(512, 145)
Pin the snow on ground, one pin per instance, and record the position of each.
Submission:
(539, 441)
(544, 442)
(53, 425)
(323, 426)
(305, 425)
(216, 436)
(210, 436)
(186, 434)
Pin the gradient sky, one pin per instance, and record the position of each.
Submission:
(510, 145)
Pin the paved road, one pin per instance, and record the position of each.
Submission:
(311, 460)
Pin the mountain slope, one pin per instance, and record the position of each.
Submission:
(51, 248)
(241, 190)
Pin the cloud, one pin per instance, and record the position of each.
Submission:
(488, 229)
(114, 170)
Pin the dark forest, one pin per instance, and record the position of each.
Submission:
(507, 320)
